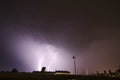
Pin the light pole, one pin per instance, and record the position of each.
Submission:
(74, 59)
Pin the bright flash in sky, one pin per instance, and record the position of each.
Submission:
(38, 54)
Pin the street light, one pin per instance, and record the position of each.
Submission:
(74, 59)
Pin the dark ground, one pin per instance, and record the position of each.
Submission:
(37, 76)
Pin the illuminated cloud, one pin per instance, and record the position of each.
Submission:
(36, 54)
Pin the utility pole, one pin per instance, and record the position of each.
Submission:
(86, 70)
(74, 59)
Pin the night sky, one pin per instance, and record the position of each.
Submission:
(35, 34)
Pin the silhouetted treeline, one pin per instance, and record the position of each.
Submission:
(14, 70)
(37, 76)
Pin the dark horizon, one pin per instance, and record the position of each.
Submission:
(49, 33)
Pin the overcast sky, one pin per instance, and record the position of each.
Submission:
(88, 30)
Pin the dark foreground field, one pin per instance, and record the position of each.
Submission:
(37, 76)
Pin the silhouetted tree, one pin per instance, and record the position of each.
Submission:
(110, 72)
(2, 71)
(119, 69)
(97, 72)
(105, 72)
(14, 70)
